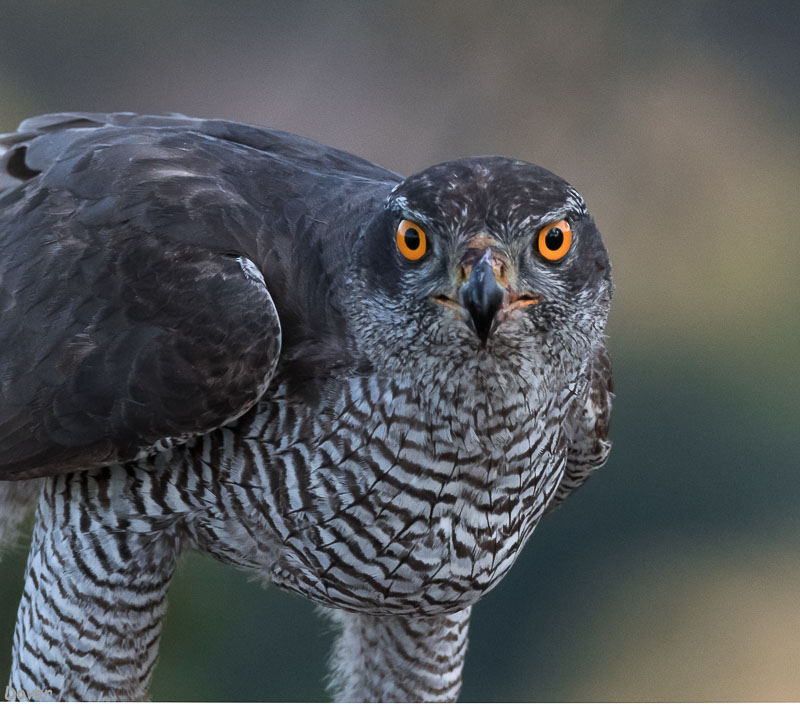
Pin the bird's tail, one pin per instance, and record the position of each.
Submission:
(17, 500)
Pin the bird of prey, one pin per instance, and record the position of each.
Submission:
(365, 388)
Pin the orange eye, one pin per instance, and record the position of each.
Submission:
(411, 240)
(554, 240)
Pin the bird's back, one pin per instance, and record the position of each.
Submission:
(118, 229)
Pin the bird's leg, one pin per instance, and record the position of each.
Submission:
(95, 592)
(399, 658)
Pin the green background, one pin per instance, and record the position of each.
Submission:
(674, 573)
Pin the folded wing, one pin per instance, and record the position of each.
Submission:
(120, 332)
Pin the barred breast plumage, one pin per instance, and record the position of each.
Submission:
(386, 510)
(368, 390)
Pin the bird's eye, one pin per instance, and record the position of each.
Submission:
(411, 240)
(554, 240)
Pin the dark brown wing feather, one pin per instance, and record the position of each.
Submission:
(587, 428)
(108, 353)
(129, 310)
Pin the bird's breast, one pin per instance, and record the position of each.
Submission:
(381, 505)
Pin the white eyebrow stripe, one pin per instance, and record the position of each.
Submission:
(401, 202)
(575, 202)
(550, 216)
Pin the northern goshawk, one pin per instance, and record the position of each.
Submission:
(367, 389)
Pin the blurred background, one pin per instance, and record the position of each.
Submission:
(674, 573)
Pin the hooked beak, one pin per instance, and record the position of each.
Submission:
(485, 298)
(482, 296)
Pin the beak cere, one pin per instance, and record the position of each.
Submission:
(482, 296)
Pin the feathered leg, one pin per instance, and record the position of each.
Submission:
(399, 659)
(16, 501)
(90, 617)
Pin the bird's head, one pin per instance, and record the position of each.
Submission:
(483, 258)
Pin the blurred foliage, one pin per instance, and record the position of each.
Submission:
(673, 574)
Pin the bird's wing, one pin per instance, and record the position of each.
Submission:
(132, 314)
(587, 427)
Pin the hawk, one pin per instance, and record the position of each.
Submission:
(366, 389)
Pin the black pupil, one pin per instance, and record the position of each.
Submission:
(412, 239)
(554, 239)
